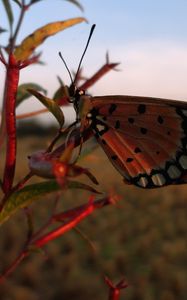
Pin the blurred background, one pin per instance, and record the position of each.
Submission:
(142, 239)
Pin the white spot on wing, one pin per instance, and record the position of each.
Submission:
(100, 127)
(174, 172)
(89, 115)
(184, 111)
(183, 161)
(158, 179)
(143, 181)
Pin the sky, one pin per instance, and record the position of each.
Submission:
(147, 37)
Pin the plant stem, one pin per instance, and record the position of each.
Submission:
(21, 183)
(76, 216)
(62, 229)
(13, 266)
(11, 85)
(79, 214)
(115, 290)
(20, 20)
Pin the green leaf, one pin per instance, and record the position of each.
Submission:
(23, 94)
(26, 196)
(82, 186)
(8, 9)
(61, 92)
(34, 192)
(51, 105)
(30, 43)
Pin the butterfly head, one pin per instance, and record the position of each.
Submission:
(81, 104)
(75, 95)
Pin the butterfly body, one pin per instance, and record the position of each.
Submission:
(144, 138)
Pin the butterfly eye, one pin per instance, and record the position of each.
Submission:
(81, 92)
(89, 116)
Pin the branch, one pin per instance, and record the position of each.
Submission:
(20, 20)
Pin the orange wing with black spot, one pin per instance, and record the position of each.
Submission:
(144, 138)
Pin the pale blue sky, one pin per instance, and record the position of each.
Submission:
(148, 37)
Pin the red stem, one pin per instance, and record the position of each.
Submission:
(114, 294)
(115, 290)
(13, 266)
(78, 214)
(11, 85)
(63, 228)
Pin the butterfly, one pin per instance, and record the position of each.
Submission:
(144, 138)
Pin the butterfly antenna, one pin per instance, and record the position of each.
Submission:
(71, 78)
(88, 41)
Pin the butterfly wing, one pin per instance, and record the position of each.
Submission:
(144, 138)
